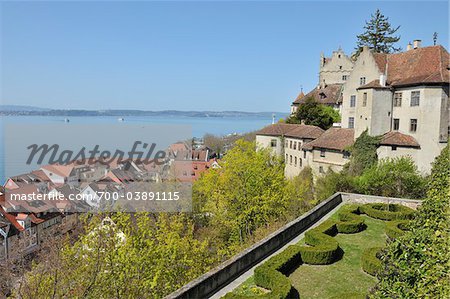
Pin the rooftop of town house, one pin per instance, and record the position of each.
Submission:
(329, 95)
(374, 84)
(334, 139)
(278, 129)
(398, 139)
(421, 65)
(305, 132)
(59, 169)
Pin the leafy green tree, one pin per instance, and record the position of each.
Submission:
(313, 113)
(122, 256)
(247, 192)
(416, 265)
(333, 182)
(396, 177)
(363, 154)
(379, 35)
(299, 192)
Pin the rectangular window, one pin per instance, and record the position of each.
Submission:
(290, 159)
(398, 99)
(352, 101)
(273, 143)
(295, 145)
(304, 154)
(415, 98)
(413, 126)
(351, 122)
(300, 162)
(364, 103)
(321, 169)
(344, 78)
(290, 144)
(394, 147)
(322, 153)
(362, 80)
(295, 161)
(346, 155)
(396, 124)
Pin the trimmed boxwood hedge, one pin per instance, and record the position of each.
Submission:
(323, 249)
(396, 228)
(370, 262)
(349, 220)
(387, 211)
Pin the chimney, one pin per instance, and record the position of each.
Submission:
(383, 80)
(408, 47)
(417, 43)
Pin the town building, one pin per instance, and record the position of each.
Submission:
(401, 97)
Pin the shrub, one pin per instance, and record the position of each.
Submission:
(370, 262)
(324, 248)
(396, 228)
(349, 220)
(387, 211)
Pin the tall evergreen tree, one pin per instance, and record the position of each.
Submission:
(379, 35)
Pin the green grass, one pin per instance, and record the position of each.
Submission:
(344, 276)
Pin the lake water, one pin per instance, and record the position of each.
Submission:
(199, 125)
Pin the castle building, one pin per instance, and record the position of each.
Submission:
(333, 73)
(402, 97)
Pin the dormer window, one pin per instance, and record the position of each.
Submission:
(322, 96)
(362, 80)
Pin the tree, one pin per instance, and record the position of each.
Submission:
(363, 154)
(416, 265)
(122, 256)
(313, 113)
(246, 193)
(299, 192)
(396, 177)
(333, 182)
(378, 35)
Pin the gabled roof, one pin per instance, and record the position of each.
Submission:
(305, 132)
(278, 129)
(398, 139)
(330, 94)
(428, 65)
(334, 139)
(61, 170)
(373, 84)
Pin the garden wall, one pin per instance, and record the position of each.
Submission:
(211, 282)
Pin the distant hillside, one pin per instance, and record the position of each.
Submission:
(31, 111)
(21, 108)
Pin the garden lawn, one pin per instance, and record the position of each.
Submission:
(346, 275)
(342, 277)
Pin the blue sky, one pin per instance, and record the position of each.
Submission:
(247, 56)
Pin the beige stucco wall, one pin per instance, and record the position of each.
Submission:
(264, 141)
(365, 66)
(338, 65)
(432, 121)
(376, 115)
(384, 152)
(293, 169)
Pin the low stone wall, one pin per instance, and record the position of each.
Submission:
(363, 199)
(211, 282)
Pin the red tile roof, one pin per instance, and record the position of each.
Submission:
(330, 94)
(305, 131)
(61, 170)
(398, 139)
(373, 84)
(333, 138)
(428, 65)
(278, 129)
